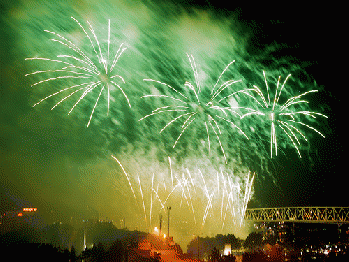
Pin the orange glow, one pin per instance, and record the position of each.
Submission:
(29, 209)
(20, 214)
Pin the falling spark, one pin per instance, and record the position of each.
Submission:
(141, 191)
(127, 177)
(223, 198)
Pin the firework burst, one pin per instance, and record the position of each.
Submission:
(223, 195)
(94, 72)
(197, 106)
(283, 116)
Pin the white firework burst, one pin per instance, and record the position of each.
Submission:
(283, 116)
(197, 107)
(95, 72)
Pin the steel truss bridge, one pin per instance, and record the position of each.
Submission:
(299, 214)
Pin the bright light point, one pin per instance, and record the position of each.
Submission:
(156, 230)
(164, 235)
(227, 249)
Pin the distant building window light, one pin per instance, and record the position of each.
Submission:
(29, 209)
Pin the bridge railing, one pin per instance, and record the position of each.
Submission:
(299, 214)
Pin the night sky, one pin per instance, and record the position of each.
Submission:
(51, 160)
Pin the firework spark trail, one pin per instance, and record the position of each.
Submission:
(207, 209)
(225, 192)
(281, 116)
(157, 195)
(208, 137)
(222, 204)
(235, 203)
(128, 179)
(190, 198)
(173, 189)
(170, 163)
(225, 69)
(228, 196)
(93, 74)
(247, 196)
(152, 191)
(220, 192)
(224, 86)
(199, 110)
(90, 88)
(140, 190)
(217, 135)
(151, 198)
(191, 179)
(167, 86)
(184, 195)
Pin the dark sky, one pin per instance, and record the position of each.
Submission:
(51, 160)
(313, 36)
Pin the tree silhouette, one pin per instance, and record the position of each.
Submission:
(235, 243)
(72, 255)
(116, 252)
(253, 241)
(98, 253)
(214, 256)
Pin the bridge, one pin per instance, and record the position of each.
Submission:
(299, 214)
